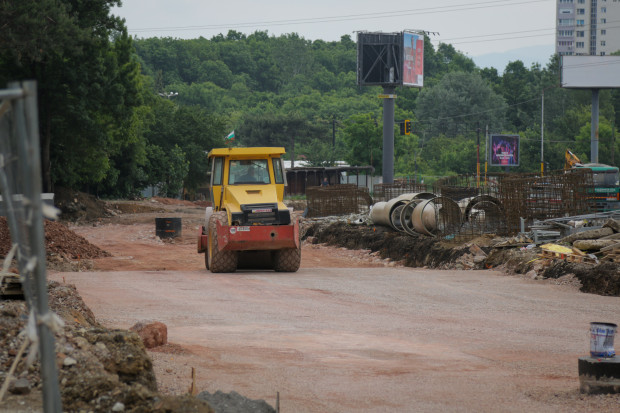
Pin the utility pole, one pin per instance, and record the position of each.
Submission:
(594, 128)
(334, 132)
(388, 135)
(478, 156)
(613, 141)
(542, 131)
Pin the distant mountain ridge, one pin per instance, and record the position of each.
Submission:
(528, 55)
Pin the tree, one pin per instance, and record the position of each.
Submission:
(458, 103)
(319, 153)
(364, 139)
(88, 82)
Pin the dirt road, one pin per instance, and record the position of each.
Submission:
(346, 333)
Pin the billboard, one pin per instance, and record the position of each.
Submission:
(413, 59)
(504, 150)
(590, 72)
(390, 59)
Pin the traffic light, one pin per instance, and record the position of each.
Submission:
(407, 127)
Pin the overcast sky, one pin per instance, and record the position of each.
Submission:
(475, 27)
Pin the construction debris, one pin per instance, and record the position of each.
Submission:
(10, 285)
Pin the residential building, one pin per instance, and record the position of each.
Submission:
(587, 27)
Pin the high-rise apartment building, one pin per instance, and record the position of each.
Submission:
(587, 27)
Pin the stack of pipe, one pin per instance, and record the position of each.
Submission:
(425, 213)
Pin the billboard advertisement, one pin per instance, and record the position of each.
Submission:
(590, 72)
(504, 150)
(413, 59)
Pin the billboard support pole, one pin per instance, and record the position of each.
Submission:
(388, 136)
(594, 128)
(542, 132)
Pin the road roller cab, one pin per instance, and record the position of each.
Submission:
(248, 224)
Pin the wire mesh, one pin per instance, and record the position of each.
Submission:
(337, 200)
(558, 194)
(385, 192)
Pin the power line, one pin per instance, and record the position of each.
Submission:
(364, 16)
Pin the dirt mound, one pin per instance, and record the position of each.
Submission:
(78, 206)
(60, 241)
(411, 251)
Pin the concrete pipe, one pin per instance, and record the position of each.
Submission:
(383, 215)
(423, 217)
(381, 212)
(405, 216)
(438, 215)
(485, 199)
(424, 195)
(395, 217)
(377, 216)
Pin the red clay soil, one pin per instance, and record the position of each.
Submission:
(59, 240)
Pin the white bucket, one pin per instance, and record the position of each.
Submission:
(602, 339)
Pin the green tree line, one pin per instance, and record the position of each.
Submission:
(110, 125)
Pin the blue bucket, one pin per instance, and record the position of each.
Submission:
(602, 339)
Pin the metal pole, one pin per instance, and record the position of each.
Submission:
(594, 128)
(478, 156)
(542, 132)
(388, 136)
(486, 152)
(31, 170)
(613, 141)
(334, 132)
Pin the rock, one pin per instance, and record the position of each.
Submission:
(118, 407)
(593, 244)
(233, 402)
(531, 274)
(153, 334)
(590, 234)
(69, 361)
(479, 258)
(19, 386)
(613, 224)
(477, 251)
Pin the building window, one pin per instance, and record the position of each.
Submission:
(565, 33)
(581, 33)
(603, 53)
(579, 22)
(567, 22)
(580, 45)
(566, 1)
(581, 11)
(581, 1)
(565, 43)
(603, 21)
(602, 42)
(603, 32)
(603, 9)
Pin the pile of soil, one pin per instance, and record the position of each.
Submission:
(78, 206)
(60, 241)
(410, 251)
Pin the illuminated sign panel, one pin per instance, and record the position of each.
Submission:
(504, 150)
